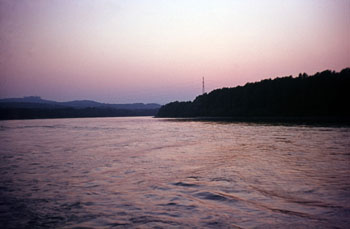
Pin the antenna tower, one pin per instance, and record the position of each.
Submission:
(203, 89)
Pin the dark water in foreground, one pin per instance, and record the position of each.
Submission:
(144, 172)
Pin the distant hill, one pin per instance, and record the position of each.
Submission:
(321, 95)
(36, 101)
(34, 107)
(27, 99)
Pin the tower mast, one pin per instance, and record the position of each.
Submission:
(203, 89)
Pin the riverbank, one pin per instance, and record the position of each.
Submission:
(311, 120)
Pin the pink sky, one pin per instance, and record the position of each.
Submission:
(158, 51)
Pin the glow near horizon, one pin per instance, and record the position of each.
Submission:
(158, 51)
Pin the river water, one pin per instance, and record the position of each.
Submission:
(161, 173)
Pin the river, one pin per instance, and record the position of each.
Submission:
(164, 173)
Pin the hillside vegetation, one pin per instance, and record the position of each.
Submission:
(322, 94)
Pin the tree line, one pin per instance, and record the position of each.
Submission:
(325, 93)
(38, 113)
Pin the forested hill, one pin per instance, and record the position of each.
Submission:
(323, 94)
(33, 107)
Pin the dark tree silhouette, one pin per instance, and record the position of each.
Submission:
(324, 94)
(37, 113)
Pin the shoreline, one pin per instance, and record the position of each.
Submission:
(344, 120)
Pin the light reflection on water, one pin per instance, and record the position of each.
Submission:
(144, 172)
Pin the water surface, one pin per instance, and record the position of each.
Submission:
(144, 172)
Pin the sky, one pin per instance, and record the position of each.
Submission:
(127, 51)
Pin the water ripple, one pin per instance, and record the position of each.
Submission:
(150, 173)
